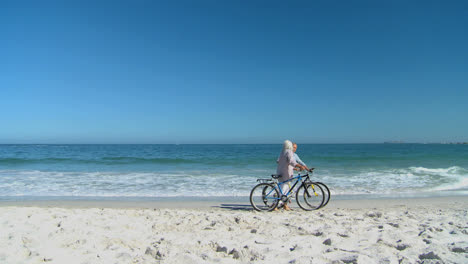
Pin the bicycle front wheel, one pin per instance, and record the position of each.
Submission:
(310, 196)
(326, 192)
(264, 197)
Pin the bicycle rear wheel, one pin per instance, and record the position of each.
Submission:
(310, 196)
(326, 192)
(264, 197)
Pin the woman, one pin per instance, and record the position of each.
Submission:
(286, 163)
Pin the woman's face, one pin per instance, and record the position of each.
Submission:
(294, 147)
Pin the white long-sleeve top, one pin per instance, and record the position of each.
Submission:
(286, 163)
(298, 160)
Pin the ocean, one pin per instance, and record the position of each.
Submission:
(170, 171)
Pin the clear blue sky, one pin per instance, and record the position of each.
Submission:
(233, 71)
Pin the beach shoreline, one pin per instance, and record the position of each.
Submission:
(225, 202)
(416, 230)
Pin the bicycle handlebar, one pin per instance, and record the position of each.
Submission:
(310, 170)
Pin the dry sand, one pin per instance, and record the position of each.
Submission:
(431, 230)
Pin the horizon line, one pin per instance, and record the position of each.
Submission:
(309, 143)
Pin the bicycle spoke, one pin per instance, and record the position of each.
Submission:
(264, 197)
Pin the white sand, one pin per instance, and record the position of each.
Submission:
(395, 231)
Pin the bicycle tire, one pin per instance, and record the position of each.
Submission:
(326, 191)
(312, 195)
(264, 197)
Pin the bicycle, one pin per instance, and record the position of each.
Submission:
(266, 195)
(325, 188)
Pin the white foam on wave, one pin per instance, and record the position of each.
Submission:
(121, 184)
(453, 171)
(222, 183)
(453, 178)
(404, 180)
(462, 184)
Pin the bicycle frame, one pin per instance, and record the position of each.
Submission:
(298, 179)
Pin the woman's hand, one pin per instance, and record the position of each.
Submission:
(299, 167)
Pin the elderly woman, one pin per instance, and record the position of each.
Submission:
(286, 163)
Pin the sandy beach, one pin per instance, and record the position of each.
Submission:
(429, 230)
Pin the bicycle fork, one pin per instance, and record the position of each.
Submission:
(307, 191)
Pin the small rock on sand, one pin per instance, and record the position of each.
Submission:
(429, 255)
(402, 247)
(154, 253)
(460, 250)
(318, 233)
(374, 214)
(350, 259)
(235, 254)
(150, 251)
(327, 242)
(221, 249)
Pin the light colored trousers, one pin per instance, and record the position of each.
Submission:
(284, 190)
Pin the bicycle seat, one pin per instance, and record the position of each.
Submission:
(275, 176)
(269, 180)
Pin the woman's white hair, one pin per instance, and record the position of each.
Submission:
(287, 145)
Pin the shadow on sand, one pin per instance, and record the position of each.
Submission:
(236, 207)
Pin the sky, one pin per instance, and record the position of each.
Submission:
(233, 71)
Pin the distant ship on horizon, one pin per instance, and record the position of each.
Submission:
(442, 143)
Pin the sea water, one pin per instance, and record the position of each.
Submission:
(149, 171)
